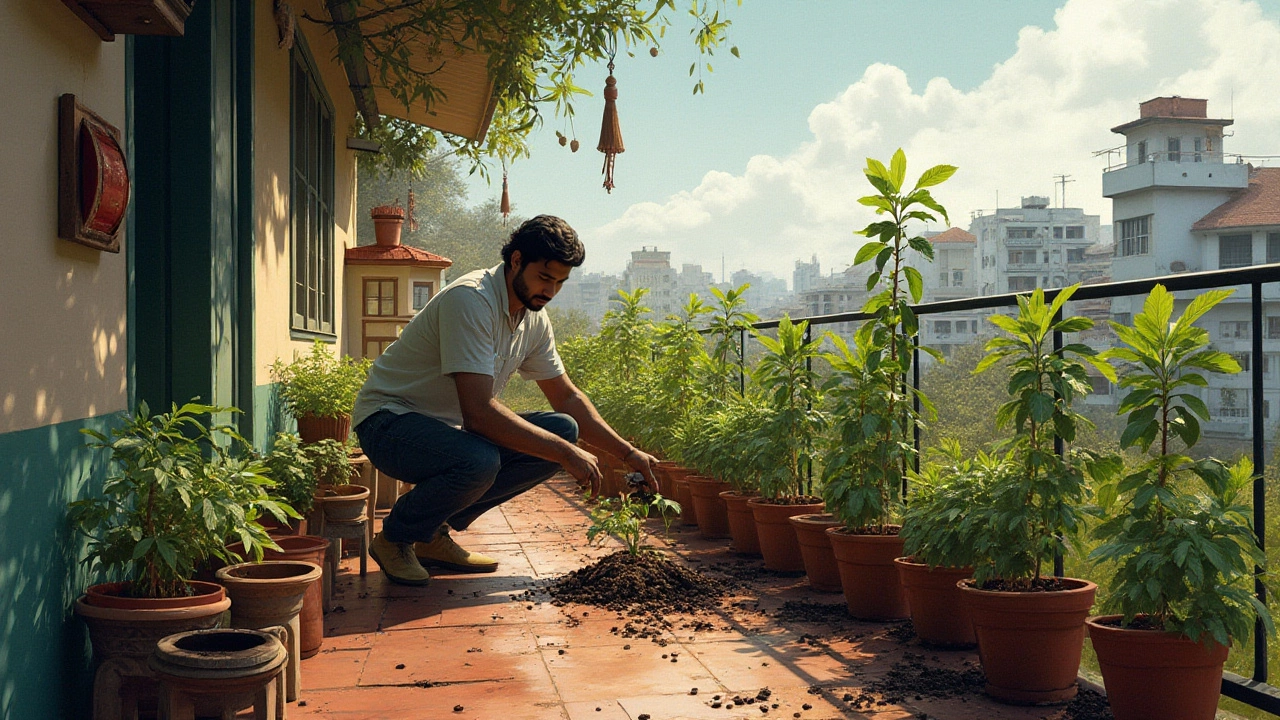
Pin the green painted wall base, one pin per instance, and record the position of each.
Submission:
(269, 417)
(45, 669)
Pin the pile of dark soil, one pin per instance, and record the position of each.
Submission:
(1043, 584)
(1088, 705)
(913, 679)
(647, 581)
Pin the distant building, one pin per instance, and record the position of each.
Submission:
(590, 293)
(765, 292)
(949, 277)
(1181, 205)
(806, 276)
(1031, 246)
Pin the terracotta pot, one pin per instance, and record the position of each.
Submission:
(275, 527)
(713, 516)
(688, 513)
(742, 524)
(937, 607)
(346, 504)
(124, 637)
(312, 549)
(386, 229)
(1155, 675)
(268, 594)
(815, 547)
(778, 542)
(114, 595)
(220, 672)
(1030, 642)
(868, 576)
(314, 428)
(666, 484)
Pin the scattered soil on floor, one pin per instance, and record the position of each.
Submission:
(913, 679)
(648, 581)
(1088, 705)
(812, 612)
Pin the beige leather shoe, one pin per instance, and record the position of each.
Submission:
(397, 561)
(444, 552)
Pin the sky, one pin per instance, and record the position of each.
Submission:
(765, 168)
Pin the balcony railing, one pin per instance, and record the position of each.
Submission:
(1254, 691)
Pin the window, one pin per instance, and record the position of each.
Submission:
(973, 326)
(1233, 403)
(1235, 251)
(1273, 247)
(1057, 233)
(1266, 408)
(1125, 319)
(1244, 359)
(1022, 257)
(1142, 151)
(1199, 145)
(1273, 328)
(379, 297)
(311, 203)
(1021, 283)
(1075, 256)
(422, 292)
(1099, 385)
(942, 278)
(1175, 149)
(942, 328)
(1270, 363)
(1233, 329)
(957, 277)
(1020, 233)
(1135, 237)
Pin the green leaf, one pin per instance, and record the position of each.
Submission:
(734, 51)
(915, 283)
(1041, 406)
(898, 169)
(867, 251)
(935, 176)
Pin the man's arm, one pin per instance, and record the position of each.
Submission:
(490, 419)
(565, 397)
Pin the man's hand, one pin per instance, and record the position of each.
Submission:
(645, 464)
(583, 466)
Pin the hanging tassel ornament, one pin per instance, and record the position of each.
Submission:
(412, 219)
(506, 197)
(610, 132)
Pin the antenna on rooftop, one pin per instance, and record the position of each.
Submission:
(1063, 180)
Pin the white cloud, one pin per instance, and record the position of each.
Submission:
(1042, 112)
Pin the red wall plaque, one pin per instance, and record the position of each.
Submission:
(93, 178)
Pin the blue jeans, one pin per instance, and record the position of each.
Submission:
(456, 475)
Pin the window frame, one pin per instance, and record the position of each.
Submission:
(312, 176)
(364, 296)
(1138, 243)
(1240, 260)
(413, 299)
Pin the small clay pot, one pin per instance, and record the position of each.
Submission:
(778, 543)
(713, 516)
(815, 547)
(314, 428)
(868, 576)
(937, 607)
(742, 523)
(343, 503)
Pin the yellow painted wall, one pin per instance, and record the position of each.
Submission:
(353, 299)
(273, 284)
(63, 327)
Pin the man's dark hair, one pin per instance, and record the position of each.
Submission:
(545, 237)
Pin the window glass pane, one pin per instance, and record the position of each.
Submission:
(1235, 251)
(1273, 247)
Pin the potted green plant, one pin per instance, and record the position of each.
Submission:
(319, 389)
(178, 488)
(1030, 513)
(871, 445)
(739, 444)
(331, 467)
(682, 361)
(288, 464)
(936, 556)
(791, 389)
(1185, 559)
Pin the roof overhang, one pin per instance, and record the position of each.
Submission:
(1140, 122)
(466, 100)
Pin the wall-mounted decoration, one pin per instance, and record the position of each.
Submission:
(109, 18)
(93, 178)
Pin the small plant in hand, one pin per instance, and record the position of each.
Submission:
(1185, 560)
(1033, 508)
(623, 516)
(179, 489)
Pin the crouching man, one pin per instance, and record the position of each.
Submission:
(429, 416)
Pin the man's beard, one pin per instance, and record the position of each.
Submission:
(522, 293)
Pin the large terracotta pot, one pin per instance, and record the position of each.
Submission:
(1030, 642)
(742, 523)
(868, 576)
(268, 594)
(713, 517)
(314, 428)
(312, 549)
(124, 632)
(688, 512)
(1155, 675)
(815, 547)
(666, 484)
(937, 607)
(778, 542)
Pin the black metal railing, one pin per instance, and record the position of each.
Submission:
(1255, 691)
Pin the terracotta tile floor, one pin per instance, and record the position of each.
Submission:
(475, 648)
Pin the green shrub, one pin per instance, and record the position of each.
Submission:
(319, 383)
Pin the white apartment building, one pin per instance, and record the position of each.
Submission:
(1031, 246)
(1181, 205)
(949, 277)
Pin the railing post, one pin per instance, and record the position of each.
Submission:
(1259, 483)
(915, 404)
(808, 366)
(742, 362)
(1059, 446)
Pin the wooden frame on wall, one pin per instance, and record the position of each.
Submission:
(93, 178)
